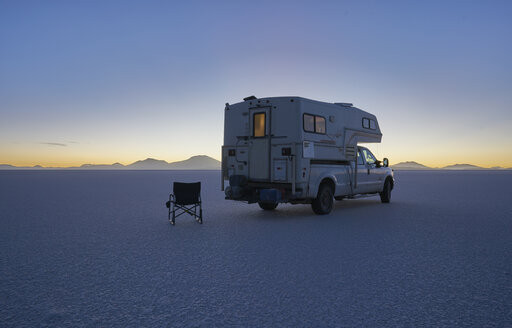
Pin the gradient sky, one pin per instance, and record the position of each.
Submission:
(118, 81)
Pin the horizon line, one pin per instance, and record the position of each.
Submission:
(119, 165)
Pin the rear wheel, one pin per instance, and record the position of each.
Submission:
(385, 195)
(322, 204)
(267, 206)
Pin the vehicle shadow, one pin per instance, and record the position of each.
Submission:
(304, 211)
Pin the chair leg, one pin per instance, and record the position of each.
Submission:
(169, 214)
(171, 209)
(200, 214)
(173, 214)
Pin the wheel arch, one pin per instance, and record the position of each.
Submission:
(391, 180)
(319, 176)
(330, 182)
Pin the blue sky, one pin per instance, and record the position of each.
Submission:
(106, 81)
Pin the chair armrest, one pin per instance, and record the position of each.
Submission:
(171, 200)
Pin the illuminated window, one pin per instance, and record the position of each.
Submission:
(319, 124)
(259, 125)
(313, 123)
(309, 123)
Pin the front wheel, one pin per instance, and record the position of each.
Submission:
(267, 206)
(322, 204)
(385, 195)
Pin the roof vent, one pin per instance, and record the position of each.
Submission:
(344, 104)
(250, 98)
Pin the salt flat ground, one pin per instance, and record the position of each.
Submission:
(94, 248)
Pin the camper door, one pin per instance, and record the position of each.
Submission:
(259, 144)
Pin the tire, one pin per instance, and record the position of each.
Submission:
(322, 204)
(385, 195)
(267, 206)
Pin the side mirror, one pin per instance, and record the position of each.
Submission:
(385, 161)
(378, 164)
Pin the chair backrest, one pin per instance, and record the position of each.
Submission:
(187, 193)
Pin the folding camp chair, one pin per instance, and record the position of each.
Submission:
(186, 198)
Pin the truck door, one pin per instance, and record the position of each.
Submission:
(373, 177)
(259, 144)
(363, 178)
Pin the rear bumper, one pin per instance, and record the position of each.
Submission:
(255, 192)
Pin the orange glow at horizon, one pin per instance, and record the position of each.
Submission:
(70, 162)
(395, 156)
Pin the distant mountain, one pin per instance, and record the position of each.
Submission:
(102, 166)
(463, 167)
(12, 167)
(410, 165)
(149, 164)
(200, 162)
(417, 166)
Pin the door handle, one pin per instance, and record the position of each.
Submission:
(368, 171)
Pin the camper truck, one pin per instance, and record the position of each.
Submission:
(301, 151)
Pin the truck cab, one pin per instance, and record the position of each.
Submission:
(371, 173)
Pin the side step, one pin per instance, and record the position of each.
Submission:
(358, 196)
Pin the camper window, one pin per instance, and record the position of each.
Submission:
(369, 123)
(309, 123)
(258, 124)
(319, 124)
(313, 123)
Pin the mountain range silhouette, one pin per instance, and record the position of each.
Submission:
(199, 162)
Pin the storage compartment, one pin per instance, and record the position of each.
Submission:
(280, 170)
